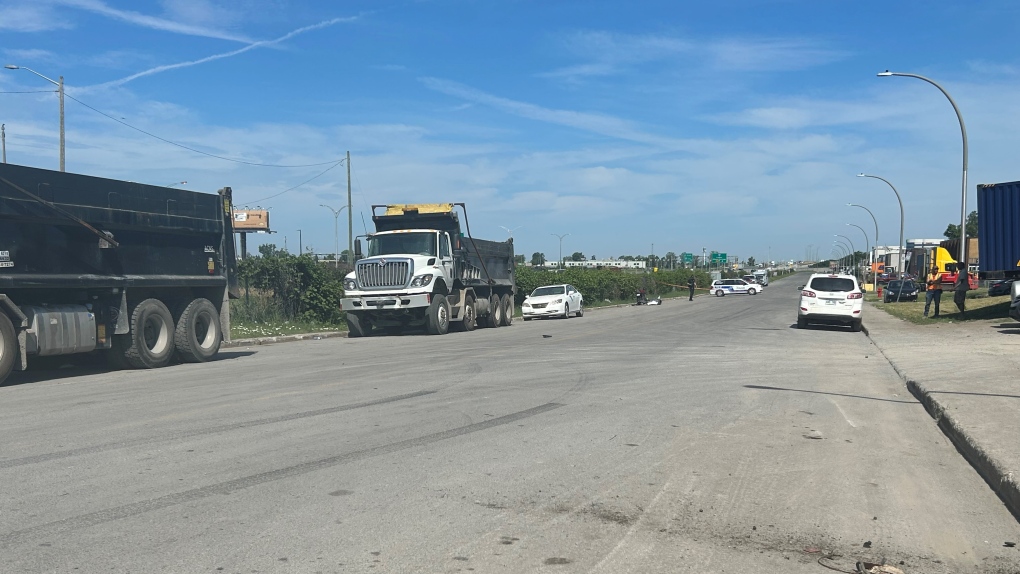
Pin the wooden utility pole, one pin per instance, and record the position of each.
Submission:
(350, 216)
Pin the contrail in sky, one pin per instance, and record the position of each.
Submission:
(249, 47)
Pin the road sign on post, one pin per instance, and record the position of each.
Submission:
(688, 258)
(718, 258)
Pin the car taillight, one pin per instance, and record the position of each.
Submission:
(806, 293)
(855, 296)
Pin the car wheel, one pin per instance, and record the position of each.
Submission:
(580, 309)
(566, 311)
(856, 326)
(801, 323)
(719, 293)
(752, 292)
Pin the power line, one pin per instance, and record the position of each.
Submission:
(334, 162)
(322, 173)
(32, 92)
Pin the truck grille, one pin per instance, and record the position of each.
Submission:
(384, 273)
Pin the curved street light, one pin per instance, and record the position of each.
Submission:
(336, 236)
(874, 273)
(843, 252)
(177, 183)
(561, 247)
(867, 245)
(853, 252)
(60, 93)
(963, 131)
(902, 249)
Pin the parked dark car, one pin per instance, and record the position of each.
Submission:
(1000, 287)
(907, 291)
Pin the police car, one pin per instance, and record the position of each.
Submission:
(722, 287)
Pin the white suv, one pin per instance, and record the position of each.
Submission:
(831, 299)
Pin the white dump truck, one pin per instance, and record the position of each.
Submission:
(420, 270)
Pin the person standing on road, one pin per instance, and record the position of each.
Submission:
(960, 290)
(691, 284)
(933, 291)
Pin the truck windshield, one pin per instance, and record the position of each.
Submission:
(402, 244)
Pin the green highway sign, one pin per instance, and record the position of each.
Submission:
(718, 258)
(689, 258)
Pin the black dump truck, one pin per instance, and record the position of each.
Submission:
(138, 272)
(422, 270)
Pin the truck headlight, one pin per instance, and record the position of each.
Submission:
(350, 285)
(421, 280)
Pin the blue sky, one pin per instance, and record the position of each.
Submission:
(733, 126)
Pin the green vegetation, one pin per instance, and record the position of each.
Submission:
(599, 285)
(980, 307)
(283, 293)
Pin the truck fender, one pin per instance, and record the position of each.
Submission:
(20, 321)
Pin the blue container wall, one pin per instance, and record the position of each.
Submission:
(999, 227)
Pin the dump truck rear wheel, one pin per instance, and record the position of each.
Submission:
(150, 344)
(507, 305)
(468, 324)
(8, 346)
(493, 320)
(197, 337)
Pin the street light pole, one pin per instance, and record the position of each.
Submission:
(336, 235)
(843, 252)
(867, 245)
(177, 183)
(60, 92)
(874, 272)
(963, 131)
(848, 249)
(561, 247)
(901, 248)
(853, 252)
(510, 232)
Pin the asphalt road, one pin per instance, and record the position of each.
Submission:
(705, 436)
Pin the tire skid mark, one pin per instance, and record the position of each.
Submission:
(205, 431)
(230, 486)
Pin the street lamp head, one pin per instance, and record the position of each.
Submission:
(885, 73)
(11, 67)
(862, 174)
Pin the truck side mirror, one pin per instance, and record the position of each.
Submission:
(358, 254)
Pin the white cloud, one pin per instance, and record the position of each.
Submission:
(32, 17)
(594, 123)
(152, 22)
(29, 55)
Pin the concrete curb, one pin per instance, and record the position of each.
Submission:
(998, 477)
(282, 339)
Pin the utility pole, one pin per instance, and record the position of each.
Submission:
(3, 140)
(350, 216)
(301, 243)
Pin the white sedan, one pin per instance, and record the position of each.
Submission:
(722, 287)
(553, 301)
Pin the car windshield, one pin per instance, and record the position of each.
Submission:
(541, 291)
(832, 284)
(420, 243)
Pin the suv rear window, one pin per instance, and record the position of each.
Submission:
(832, 284)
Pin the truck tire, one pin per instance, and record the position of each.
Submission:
(492, 320)
(437, 316)
(150, 344)
(198, 336)
(468, 324)
(507, 305)
(8, 346)
(357, 326)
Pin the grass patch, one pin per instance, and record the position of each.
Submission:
(275, 329)
(980, 307)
